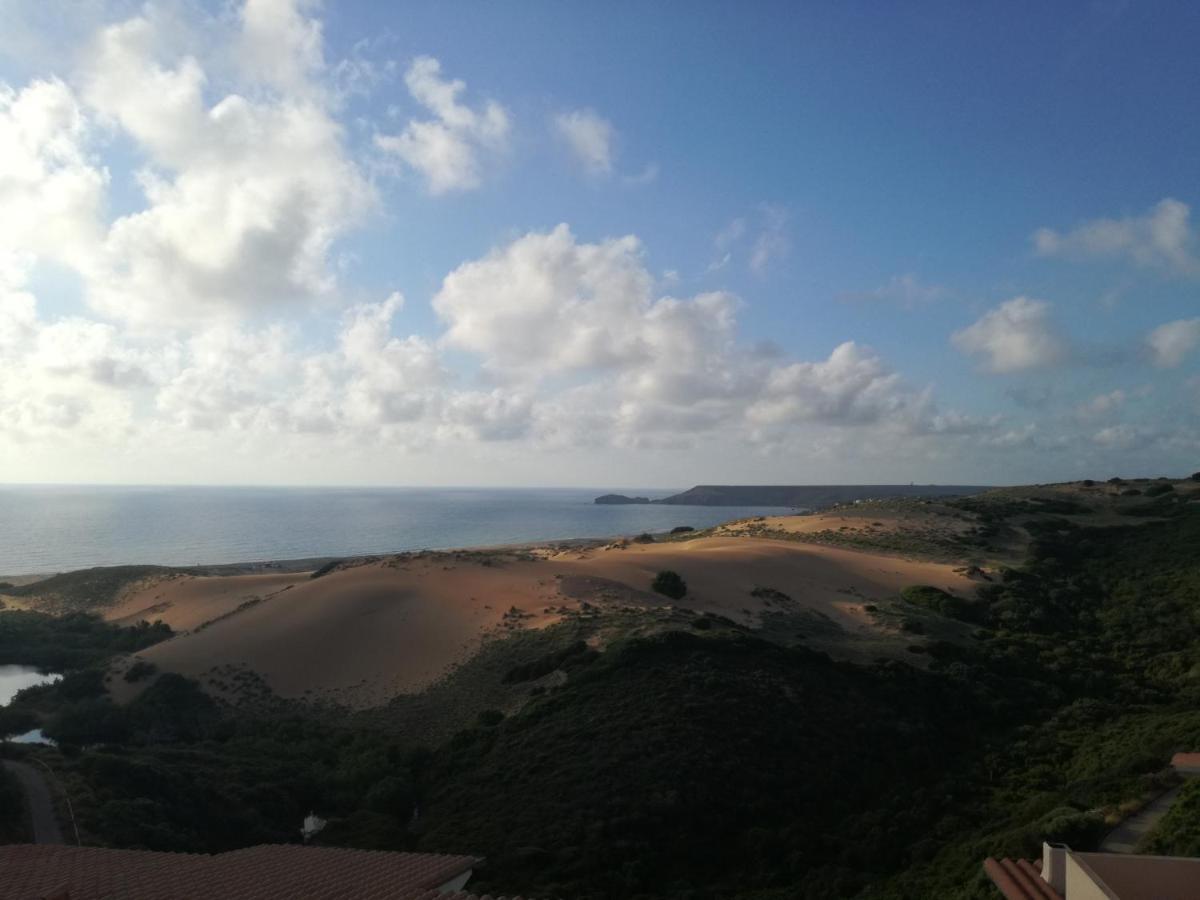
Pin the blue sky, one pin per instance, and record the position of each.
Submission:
(803, 242)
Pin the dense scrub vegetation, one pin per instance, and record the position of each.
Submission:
(66, 642)
(12, 810)
(87, 589)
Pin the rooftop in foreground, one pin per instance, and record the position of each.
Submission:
(1063, 874)
(266, 872)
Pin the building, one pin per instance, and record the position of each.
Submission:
(267, 872)
(1063, 874)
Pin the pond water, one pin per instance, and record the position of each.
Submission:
(17, 678)
(30, 737)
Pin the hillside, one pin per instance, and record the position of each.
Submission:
(829, 711)
(366, 633)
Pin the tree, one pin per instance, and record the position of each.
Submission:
(669, 584)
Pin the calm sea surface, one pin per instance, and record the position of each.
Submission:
(54, 528)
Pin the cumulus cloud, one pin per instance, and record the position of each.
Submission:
(52, 193)
(280, 45)
(590, 138)
(1016, 336)
(446, 149)
(245, 197)
(852, 386)
(1170, 344)
(547, 309)
(1162, 237)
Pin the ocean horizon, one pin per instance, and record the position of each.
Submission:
(55, 528)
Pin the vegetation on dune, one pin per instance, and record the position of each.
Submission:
(59, 643)
(87, 589)
(669, 584)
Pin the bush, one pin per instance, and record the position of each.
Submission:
(1157, 490)
(139, 670)
(1195, 476)
(392, 795)
(326, 569)
(669, 584)
(944, 604)
(682, 529)
(644, 538)
(490, 718)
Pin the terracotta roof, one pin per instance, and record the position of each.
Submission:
(268, 872)
(1019, 879)
(1186, 761)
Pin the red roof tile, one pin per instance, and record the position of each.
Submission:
(268, 872)
(1019, 879)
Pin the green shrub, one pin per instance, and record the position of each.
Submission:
(139, 670)
(490, 718)
(944, 604)
(669, 584)
(1157, 490)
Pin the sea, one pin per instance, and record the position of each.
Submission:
(54, 528)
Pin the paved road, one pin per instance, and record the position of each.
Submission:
(1125, 837)
(45, 822)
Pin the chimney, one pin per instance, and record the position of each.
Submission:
(1054, 866)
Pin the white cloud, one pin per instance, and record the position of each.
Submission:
(852, 386)
(245, 197)
(1015, 336)
(545, 304)
(51, 193)
(1170, 344)
(1101, 405)
(445, 149)
(1162, 237)
(590, 138)
(279, 45)
(547, 310)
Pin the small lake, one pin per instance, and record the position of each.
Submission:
(17, 678)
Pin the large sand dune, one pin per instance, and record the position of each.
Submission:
(363, 634)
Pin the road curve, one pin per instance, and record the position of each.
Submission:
(41, 804)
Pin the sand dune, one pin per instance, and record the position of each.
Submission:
(364, 634)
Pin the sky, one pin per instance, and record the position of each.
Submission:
(548, 243)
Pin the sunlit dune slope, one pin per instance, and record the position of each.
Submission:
(363, 634)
